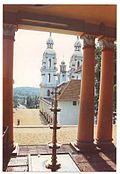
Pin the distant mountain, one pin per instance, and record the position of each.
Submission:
(26, 91)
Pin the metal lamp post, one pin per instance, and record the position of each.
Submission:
(54, 165)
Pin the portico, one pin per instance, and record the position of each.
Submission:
(82, 21)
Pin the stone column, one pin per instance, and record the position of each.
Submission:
(8, 45)
(86, 115)
(104, 124)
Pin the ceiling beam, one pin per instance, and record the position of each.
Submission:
(59, 23)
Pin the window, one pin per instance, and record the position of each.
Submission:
(48, 92)
(74, 103)
(78, 64)
(49, 63)
(48, 77)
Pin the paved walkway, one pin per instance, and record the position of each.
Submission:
(36, 135)
(28, 117)
(86, 162)
(34, 131)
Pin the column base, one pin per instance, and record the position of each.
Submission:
(11, 147)
(106, 146)
(83, 146)
(15, 150)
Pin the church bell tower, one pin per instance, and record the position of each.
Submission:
(48, 70)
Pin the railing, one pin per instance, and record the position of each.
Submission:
(5, 147)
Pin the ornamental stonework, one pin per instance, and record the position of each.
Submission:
(107, 43)
(88, 40)
(9, 30)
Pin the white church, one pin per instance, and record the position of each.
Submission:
(67, 82)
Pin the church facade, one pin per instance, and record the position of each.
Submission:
(51, 79)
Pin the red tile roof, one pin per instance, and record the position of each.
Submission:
(71, 91)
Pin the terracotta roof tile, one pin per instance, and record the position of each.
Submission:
(71, 91)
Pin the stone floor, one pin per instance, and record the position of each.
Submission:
(87, 162)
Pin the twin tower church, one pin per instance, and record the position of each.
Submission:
(67, 82)
(49, 72)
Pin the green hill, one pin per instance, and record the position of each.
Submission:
(26, 91)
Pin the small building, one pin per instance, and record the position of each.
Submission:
(68, 101)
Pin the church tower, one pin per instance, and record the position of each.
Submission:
(48, 70)
(76, 61)
(63, 75)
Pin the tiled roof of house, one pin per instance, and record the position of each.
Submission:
(71, 91)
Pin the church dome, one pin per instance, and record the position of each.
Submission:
(50, 40)
(76, 54)
(63, 62)
(77, 43)
(49, 49)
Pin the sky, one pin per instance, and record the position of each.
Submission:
(29, 47)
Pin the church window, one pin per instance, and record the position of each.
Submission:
(78, 64)
(49, 63)
(48, 77)
(48, 92)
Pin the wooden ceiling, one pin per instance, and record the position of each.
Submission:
(72, 19)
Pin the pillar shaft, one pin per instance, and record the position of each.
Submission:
(86, 114)
(8, 44)
(104, 125)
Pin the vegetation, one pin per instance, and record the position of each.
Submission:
(97, 79)
(26, 91)
(26, 96)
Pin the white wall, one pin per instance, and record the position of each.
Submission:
(45, 107)
(69, 113)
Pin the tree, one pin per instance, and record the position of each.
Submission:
(15, 102)
(29, 102)
(97, 76)
(32, 102)
(97, 79)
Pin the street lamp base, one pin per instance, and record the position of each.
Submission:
(53, 167)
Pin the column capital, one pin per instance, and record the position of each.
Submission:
(106, 43)
(88, 40)
(9, 30)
